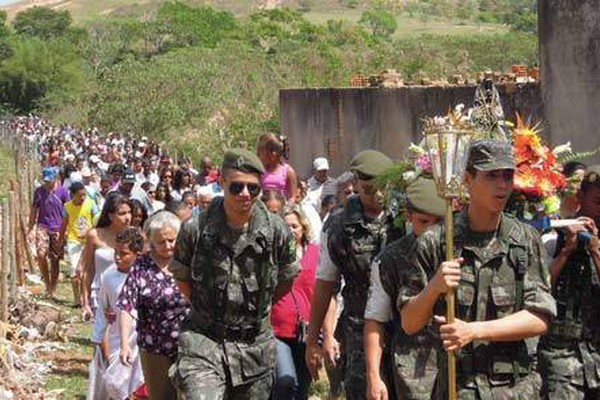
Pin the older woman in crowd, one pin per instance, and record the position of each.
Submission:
(290, 313)
(151, 295)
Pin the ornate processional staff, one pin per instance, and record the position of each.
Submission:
(447, 142)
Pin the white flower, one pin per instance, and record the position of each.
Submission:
(409, 176)
(563, 148)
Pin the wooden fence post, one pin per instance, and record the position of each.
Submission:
(4, 265)
(12, 254)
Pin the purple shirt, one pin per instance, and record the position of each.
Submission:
(50, 205)
(159, 304)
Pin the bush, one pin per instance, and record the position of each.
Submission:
(42, 22)
(380, 22)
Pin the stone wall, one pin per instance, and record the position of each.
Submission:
(338, 123)
(570, 71)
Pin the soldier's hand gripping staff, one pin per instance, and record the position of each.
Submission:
(569, 355)
(502, 289)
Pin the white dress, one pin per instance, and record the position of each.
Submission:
(104, 257)
(112, 380)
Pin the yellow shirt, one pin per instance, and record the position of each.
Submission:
(79, 219)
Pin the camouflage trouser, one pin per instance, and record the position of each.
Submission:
(415, 371)
(525, 388)
(355, 372)
(565, 373)
(203, 372)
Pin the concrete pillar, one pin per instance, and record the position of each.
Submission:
(570, 71)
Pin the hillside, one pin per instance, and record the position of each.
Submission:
(315, 11)
(189, 75)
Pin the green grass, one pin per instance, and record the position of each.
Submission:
(70, 367)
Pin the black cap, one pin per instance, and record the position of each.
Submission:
(489, 155)
(128, 176)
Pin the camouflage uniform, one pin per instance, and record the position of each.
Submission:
(569, 352)
(502, 273)
(414, 358)
(352, 243)
(227, 348)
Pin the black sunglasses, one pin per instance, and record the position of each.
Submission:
(236, 188)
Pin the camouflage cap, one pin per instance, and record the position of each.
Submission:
(242, 160)
(488, 155)
(423, 196)
(369, 164)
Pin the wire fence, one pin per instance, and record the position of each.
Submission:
(16, 258)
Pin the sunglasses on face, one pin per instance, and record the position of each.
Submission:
(236, 188)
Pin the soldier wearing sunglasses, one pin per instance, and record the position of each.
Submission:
(354, 235)
(231, 262)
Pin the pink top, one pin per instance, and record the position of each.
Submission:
(276, 180)
(284, 314)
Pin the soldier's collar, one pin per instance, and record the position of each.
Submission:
(508, 231)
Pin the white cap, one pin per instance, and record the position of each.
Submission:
(86, 172)
(320, 164)
(95, 159)
(75, 177)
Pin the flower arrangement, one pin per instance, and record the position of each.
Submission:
(538, 177)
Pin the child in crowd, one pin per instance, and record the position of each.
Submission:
(109, 378)
(78, 218)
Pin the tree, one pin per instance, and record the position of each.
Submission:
(38, 69)
(42, 22)
(382, 23)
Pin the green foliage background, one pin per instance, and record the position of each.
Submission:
(201, 79)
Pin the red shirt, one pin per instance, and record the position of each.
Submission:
(284, 314)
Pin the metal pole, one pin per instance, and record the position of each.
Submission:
(450, 299)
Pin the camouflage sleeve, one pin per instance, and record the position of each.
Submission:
(287, 262)
(414, 276)
(536, 283)
(181, 263)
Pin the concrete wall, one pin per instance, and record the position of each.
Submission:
(570, 71)
(338, 123)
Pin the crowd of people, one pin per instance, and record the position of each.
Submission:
(243, 280)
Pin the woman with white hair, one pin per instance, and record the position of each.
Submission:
(151, 295)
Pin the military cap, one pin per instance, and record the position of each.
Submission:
(369, 164)
(422, 194)
(242, 160)
(488, 155)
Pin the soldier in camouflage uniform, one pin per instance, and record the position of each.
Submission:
(570, 351)
(232, 261)
(354, 235)
(424, 209)
(502, 291)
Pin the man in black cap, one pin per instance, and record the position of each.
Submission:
(353, 236)
(131, 189)
(231, 261)
(503, 299)
(424, 209)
